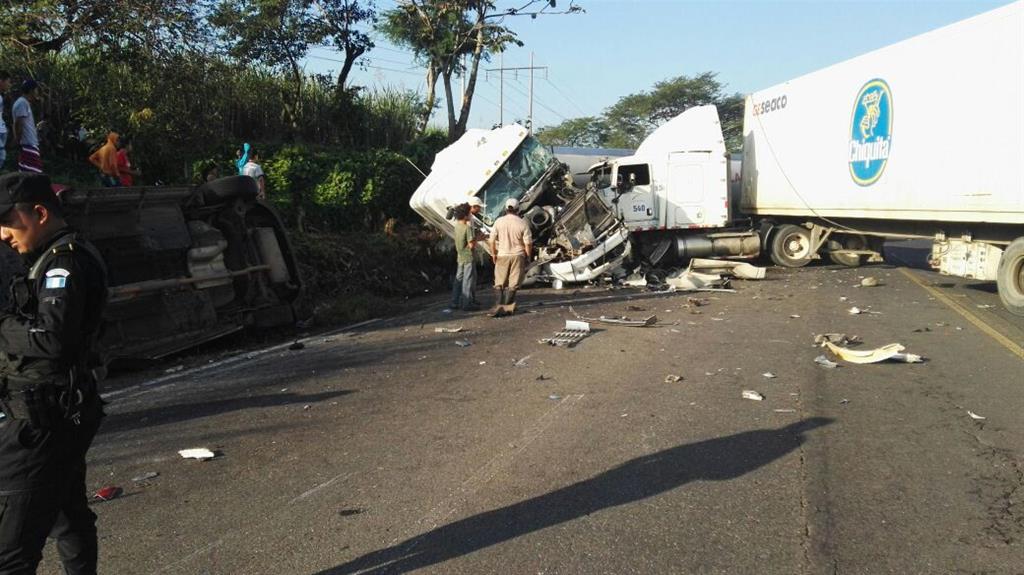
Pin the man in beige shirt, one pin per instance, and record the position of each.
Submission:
(511, 247)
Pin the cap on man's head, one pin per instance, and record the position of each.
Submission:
(29, 85)
(511, 204)
(475, 201)
(24, 187)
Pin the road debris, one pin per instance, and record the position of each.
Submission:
(825, 362)
(985, 306)
(573, 333)
(693, 281)
(621, 320)
(794, 316)
(672, 378)
(145, 476)
(296, 346)
(448, 329)
(107, 493)
(844, 401)
(784, 410)
(174, 369)
(769, 375)
(463, 343)
(200, 453)
(751, 394)
(522, 362)
(741, 270)
(483, 363)
(908, 358)
(870, 281)
(554, 397)
(871, 355)
(975, 416)
(836, 338)
(635, 308)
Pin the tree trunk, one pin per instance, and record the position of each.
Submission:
(351, 55)
(446, 77)
(467, 97)
(428, 106)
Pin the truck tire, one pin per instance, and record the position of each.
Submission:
(791, 246)
(848, 243)
(1010, 277)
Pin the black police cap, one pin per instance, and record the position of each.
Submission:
(24, 187)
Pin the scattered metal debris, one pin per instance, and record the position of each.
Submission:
(623, 320)
(825, 362)
(672, 378)
(554, 397)
(870, 281)
(751, 394)
(784, 410)
(985, 306)
(463, 343)
(448, 329)
(769, 375)
(572, 334)
(836, 338)
(146, 476)
(522, 362)
(174, 369)
(975, 416)
(200, 453)
(794, 316)
(844, 401)
(908, 358)
(107, 493)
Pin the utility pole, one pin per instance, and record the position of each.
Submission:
(501, 69)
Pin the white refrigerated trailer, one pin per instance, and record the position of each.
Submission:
(923, 138)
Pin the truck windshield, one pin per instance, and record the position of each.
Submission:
(520, 173)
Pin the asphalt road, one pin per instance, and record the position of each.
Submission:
(390, 449)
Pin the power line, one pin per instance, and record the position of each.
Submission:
(365, 65)
(539, 103)
(567, 98)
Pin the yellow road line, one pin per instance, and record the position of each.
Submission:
(977, 321)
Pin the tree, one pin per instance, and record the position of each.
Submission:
(627, 122)
(274, 33)
(341, 19)
(587, 132)
(40, 27)
(442, 33)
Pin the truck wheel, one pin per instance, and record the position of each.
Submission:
(791, 246)
(1010, 278)
(848, 243)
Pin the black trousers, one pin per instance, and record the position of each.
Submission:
(60, 511)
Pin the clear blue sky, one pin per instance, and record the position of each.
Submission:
(620, 47)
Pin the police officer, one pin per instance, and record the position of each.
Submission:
(47, 382)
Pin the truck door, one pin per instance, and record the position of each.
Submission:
(637, 204)
(690, 201)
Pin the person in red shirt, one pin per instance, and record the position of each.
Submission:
(125, 172)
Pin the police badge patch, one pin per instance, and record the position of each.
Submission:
(56, 278)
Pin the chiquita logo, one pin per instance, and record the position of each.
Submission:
(871, 132)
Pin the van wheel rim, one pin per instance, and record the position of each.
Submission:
(797, 246)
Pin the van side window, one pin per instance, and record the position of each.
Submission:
(641, 172)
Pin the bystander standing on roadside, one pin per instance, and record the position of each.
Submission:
(5, 85)
(511, 247)
(242, 158)
(24, 122)
(465, 272)
(126, 172)
(105, 159)
(253, 169)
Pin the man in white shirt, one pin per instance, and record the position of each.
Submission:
(5, 85)
(254, 171)
(511, 248)
(25, 133)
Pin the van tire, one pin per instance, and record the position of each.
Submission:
(1010, 277)
(791, 246)
(228, 188)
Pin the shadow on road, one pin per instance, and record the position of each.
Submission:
(712, 460)
(153, 416)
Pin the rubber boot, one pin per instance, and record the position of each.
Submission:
(510, 297)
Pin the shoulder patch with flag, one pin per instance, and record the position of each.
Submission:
(57, 278)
